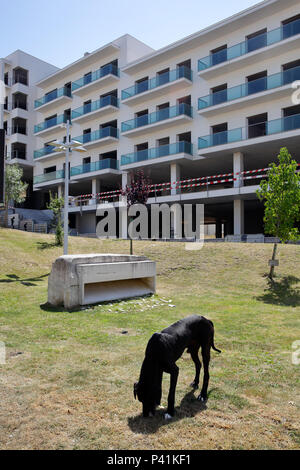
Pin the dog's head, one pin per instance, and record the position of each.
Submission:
(148, 389)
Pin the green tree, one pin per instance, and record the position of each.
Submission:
(56, 205)
(15, 188)
(281, 196)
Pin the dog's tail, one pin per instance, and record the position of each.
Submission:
(212, 339)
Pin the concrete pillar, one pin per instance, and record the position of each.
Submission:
(238, 217)
(238, 167)
(218, 229)
(174, 176)
(95, 186)
(176, 221)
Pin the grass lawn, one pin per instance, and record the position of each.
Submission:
(68, 378)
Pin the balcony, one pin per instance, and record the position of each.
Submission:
(46, 152)
(50, 125)
(101, 135)
(163, 118)
(256, 133)
(51, 99)
(106, 164)
(52, 177)
(92, 110)
(91, 81)
(256, 43)
(175, 79)
(272, 82)
(159, 154)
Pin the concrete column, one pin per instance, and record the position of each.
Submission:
(238, 167)
(174, 176)
(176, 221)
(95, 186)
(218, 229)
(238, 217)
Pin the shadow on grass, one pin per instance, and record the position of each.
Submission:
(188, 408)
(29, 282)
(282, 292)
(46, 245)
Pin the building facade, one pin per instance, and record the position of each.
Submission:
(203, 117)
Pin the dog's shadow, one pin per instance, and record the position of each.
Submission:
(188, 408)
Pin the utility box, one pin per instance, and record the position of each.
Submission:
(88, 279)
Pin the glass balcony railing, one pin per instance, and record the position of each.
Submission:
(156, 152)
(257, 42)
(107, 163)
(43, 152)
(53, 175)
(161, 115)
(261, 84)
(266, 128)
(110, 100)
(53, 95)
(50, 123)
(159, 80)
(109, 69)
(97, 135)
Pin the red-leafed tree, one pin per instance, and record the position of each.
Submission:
(137, 192)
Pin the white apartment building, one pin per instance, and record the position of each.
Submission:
(199, 117)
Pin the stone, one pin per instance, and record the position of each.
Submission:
(77, 280)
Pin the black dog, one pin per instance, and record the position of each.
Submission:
(162, 352)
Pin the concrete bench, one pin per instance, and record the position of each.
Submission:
(88, 279)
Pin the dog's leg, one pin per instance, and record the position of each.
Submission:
(195, 358)
(174, 371)
(206, 358)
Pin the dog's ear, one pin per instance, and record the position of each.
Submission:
(135, 389)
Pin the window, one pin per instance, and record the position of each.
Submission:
(257, 125)
(18, 150)
(163, 111)
(19, 126)
(218, 55)
(163, 145)
(219, 94)
(142, 85)
(86, 135)
(50, 169)
(163, 77)
(257, 82)
(219, 134)
(256, 40)
(87, 78)
(20, 76)
(112, 155)
(291, 72)
(87, 106)
(291, 118)
(291, 27)
(141, 118)
(142, 151)
(19, 101)
(184, 137)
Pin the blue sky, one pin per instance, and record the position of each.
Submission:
(60, 31)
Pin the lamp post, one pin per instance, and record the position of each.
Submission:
(67, 146)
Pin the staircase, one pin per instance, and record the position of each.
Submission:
(33, 219)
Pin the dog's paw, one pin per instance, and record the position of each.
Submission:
(167, 416)
(202, 399)
(194, 386)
